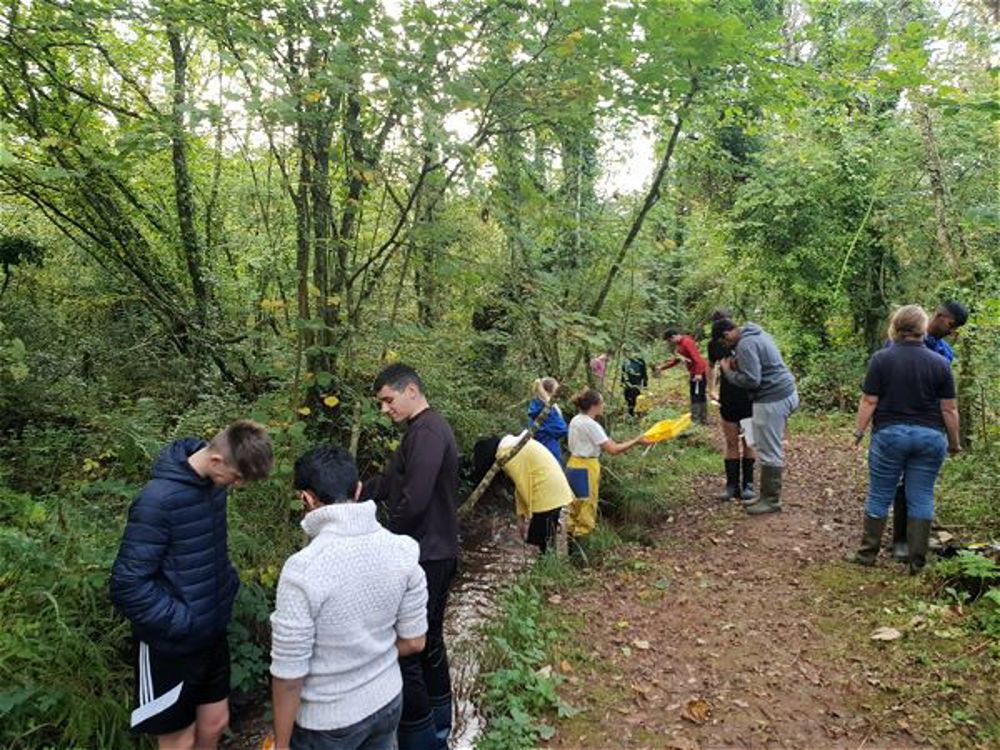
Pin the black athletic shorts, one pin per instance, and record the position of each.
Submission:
(169, 688)
(734, 412)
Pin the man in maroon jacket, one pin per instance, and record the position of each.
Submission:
(686, 350)
(419, 490)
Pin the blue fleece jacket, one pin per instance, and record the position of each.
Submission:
(172, 578)
(552, 430)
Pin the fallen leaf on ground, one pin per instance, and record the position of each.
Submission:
(697, 711)
(565, 667)
(641, 644)
(886, 634)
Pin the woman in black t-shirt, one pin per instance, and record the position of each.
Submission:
(909, 396)
(734, 405)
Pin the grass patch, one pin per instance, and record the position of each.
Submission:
(520, 674)
(966, 495)
(804, 422)
(639, 492)
(938, 679)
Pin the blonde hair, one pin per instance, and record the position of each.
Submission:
(546, 386)
(909, 321)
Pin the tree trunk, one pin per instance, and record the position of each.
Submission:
(190, 241)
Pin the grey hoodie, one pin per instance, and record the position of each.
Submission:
(762, 371)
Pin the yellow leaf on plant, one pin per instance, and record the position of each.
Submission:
(305, 411)
(331, 401)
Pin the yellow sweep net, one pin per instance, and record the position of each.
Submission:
(668, 429)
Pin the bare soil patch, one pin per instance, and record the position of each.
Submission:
(739, 631)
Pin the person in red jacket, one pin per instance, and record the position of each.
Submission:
(685, 349)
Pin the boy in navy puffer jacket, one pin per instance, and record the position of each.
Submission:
(173, 580)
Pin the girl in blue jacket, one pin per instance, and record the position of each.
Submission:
(553, 429)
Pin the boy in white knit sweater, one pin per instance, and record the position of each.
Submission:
(348, 605)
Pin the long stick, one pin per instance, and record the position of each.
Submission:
(499, 463)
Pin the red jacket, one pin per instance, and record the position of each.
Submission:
(687, 350)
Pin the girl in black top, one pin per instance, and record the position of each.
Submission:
(734, 405)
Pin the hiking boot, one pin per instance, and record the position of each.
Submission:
(900, 550)
(770, 492)
(871, 541)
(747, 493)
(918, 537)
(732, 480)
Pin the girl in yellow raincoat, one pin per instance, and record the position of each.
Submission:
(587, 440)
(540, 487)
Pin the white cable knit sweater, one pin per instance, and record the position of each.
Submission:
(342, 603)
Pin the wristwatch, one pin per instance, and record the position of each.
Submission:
(858, 436)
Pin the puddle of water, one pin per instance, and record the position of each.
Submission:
(492, 555)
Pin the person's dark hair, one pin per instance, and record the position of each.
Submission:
(721, 327)
(245, 446)
(957, 311)
(586, 399)
(484, 453)
(397, 376)
(329, 472)
(722, 313)
(671, 332)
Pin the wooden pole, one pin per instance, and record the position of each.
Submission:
(499, 463)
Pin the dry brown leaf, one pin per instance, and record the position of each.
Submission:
(641, 644)
(697, 711)
(565, 667)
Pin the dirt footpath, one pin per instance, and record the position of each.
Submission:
(718, 635)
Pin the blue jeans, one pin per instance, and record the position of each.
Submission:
(374, 732)
(913, 452)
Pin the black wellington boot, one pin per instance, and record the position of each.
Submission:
(900, 551)
(746, 491)
(732, 480)
(871, 541)
(918, 537)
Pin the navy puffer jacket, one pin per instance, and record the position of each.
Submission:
(172, 577)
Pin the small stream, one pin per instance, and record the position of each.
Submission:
(492, 555)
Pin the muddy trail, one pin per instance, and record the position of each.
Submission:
(738, 631)
(492, 556)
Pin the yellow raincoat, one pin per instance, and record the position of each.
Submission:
(539, 481)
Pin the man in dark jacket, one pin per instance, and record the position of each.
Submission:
(419, 490)
(173, 580)
(758, 368)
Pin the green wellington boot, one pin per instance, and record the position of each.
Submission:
(871, 540)
(918, 537)
(770, 492)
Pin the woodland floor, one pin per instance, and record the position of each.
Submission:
(739, 631)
